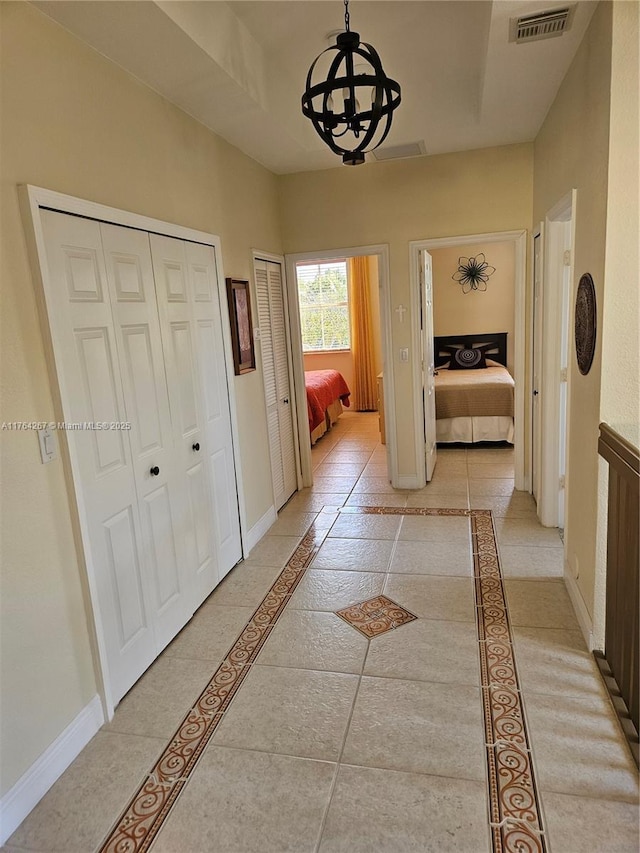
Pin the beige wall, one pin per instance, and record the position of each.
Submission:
(571, 151)
(476, 312)
(76, 123)
(620, 394)
(471, 192)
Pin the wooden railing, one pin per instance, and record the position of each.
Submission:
(619, 663)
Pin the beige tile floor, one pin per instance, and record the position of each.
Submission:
(339, 743)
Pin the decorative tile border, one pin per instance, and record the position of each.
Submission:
(375, 616)
(514, 801)
(140, 822)
(515, 817)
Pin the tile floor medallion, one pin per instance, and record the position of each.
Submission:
(515, 818)
(375, 616)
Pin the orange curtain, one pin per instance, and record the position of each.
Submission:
(365, 392)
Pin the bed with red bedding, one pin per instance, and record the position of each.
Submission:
(327, 392)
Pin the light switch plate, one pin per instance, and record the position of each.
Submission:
(48, 444)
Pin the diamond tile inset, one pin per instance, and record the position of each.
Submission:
(375, 616)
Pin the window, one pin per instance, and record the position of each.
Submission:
(324, 306)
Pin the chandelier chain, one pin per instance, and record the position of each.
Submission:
(346, 15)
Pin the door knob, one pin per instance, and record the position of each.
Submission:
(535, 393)
(286, 400)
(196, 446)
(154, 471)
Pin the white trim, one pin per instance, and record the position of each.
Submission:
(419, 443)
(519, 239)
(548, 488)
(262, 525)
(382, 251)
(32, 200)
(579, 607)
(47, 769)
(519, 374)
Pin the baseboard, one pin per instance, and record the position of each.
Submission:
(255, 534)
(579, 607)
(47, 769)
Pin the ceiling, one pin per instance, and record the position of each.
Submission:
(240, 67)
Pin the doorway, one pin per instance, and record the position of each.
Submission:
(381, 254)
(518, 241)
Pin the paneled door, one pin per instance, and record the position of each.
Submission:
(166, 541)
(191, 327)
(137, 331)
(104, 469)
(276, 374)
(428, 365)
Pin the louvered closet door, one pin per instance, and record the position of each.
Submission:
(275, 368)
(190, 321)
(159, 484)
(104, 471)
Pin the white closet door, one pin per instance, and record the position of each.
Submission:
(205, 301)
(159, 486)
(191, 330)
(275, 369)
(82, 328)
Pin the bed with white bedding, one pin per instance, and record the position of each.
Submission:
(474, 389)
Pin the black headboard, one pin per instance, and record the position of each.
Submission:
(494, 346)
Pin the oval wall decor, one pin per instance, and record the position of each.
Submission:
(585, 323)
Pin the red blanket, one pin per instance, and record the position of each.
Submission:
(323, 387)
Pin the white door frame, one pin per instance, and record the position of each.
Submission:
(519, 239)
(258, 255)
(381, 250)
(552, 333)
(32, 200)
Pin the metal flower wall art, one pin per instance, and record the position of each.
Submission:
(473, 273)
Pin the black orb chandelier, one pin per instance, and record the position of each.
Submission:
(352, 108)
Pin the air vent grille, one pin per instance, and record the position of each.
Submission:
(543, 25)
(398, 152)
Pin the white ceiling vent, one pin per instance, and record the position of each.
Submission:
(399, 152)
(543, 25)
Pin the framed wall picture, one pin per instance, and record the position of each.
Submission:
(244, 356)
